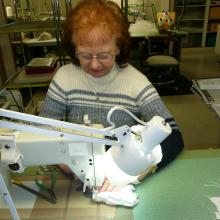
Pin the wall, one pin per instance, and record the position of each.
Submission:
(6, 51)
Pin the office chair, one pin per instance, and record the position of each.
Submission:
(162, 70)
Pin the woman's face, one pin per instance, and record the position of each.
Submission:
(97, 60)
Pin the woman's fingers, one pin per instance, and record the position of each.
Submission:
(107, 186)
(65, 169)
(104, 186)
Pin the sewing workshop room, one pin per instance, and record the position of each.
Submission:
(109, 109)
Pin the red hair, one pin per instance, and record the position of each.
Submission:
(93, 21)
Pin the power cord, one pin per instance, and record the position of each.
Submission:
(125, 110)
(182, 12)
(19, 107)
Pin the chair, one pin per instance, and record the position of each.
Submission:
(162, 70)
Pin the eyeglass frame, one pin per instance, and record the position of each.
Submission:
(96, 56)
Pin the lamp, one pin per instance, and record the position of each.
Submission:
(124, 164)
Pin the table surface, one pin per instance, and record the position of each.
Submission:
(182, 190)
(22, 80)
(178, 192)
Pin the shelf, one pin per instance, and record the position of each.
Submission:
(191, 19)
(215, 4)
(194, 19)
(34, 42)
(27, 27)
(211, 32)
(189, 6)
(214, 20)
(191, 30)
(21, 80)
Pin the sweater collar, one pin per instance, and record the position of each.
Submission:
(105, 79)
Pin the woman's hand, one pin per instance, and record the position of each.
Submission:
(147, 172)
(65, 169)
(107, 187)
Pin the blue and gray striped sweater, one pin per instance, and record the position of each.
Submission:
(72, 94)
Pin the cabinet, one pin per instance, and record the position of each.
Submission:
(199, 18)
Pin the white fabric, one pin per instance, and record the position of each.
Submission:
(143, 28)
(124, 197)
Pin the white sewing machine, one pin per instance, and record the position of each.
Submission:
(36, 140)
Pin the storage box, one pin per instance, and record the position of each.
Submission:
(213, 27)
(214, 12)
(41, 66)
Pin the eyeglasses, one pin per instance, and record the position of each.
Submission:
(100, 57)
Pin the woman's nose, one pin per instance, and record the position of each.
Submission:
(95, 63)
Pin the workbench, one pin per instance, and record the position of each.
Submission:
(179, 191)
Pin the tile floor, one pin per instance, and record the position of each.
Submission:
(199, 125)
(200, 63)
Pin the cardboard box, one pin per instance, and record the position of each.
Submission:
(213, 27)
(214, 12)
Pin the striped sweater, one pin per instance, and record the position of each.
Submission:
(73, 93)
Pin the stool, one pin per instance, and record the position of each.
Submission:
(162, 70)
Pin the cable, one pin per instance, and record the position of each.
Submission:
(182, 12)
(125, 110)
(154, 13)
(19, 107)
(93, 158)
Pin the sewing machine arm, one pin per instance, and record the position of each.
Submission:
(41, 141)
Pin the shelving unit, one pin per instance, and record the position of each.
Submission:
(30, 85)
(33, 26)
(191, 18)
(212, 22)
(199, 18)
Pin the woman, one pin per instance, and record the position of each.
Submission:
(99, 77)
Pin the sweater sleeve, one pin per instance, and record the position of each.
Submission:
(55, 105)
(53, 109)
(150, 105)
(171, 147)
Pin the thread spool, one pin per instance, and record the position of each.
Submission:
(9, 13)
